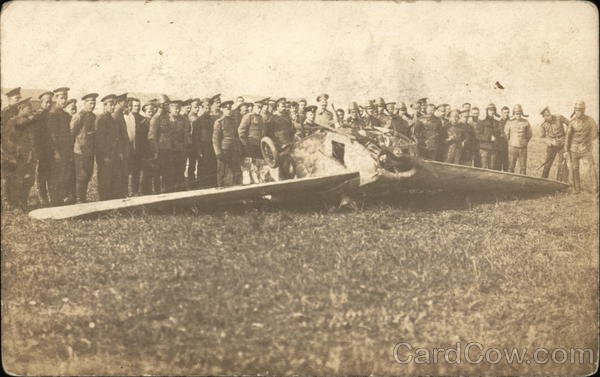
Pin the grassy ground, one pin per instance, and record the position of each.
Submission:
(278, 289)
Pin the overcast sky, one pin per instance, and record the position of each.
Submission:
(541, 52)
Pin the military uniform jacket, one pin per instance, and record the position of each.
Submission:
(83, 131)
(428, 132)
(399, 125)
(18, 140)
(40, 136)
(324, 118)
(7, 113)
(202, 133)
(485, 130)
(281, 130)
(225, 136)
(518, 133)
(59, 132)
(307, 129)
(252, 129)
(581, 133)
(371, 121)
(160, 134)
(142, 144)
(181, 133)
(122, 138)
(106, 136)
(554, 129)
(356, 123)
(456, 134)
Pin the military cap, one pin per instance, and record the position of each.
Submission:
(14, 92)
(380, 101)
(464, 111)
(206, 100)
(245, 104)
(518, 109)
(271, 100)
(282, 99)
(369, 105)
(195, 100)
(64, 90)
(579, 105)
(293, 104)
(121, 97)
(110, 97)
(326, 96)
(176, 102)
(24, 102)
(147, 105)
(438, 107)
(431, 105)
(466, 104)
(353, 106)
(70, 101)
(262, 101)
(187, 102)
(89, 96)
(215, 97)
(422, 100)
(302, 100)
(544, 110)
(226, 104)
(491, 106)
(133, 99)
(474, 108)
(312, 108)
(390, 103)
(163, 99)
(153, 101)
(402, 106)
(50, 94)
(505, 108)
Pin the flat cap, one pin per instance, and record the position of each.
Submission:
(147, 105)
(282, 99)
(49, 94)
(62, 90)
(109, 97)
(14, 92)
(324, 95)
(422, 100)
(70, 101)
(121, 97)
(24, 102)
(226, 104)
(215, 97)
(195, 100)
(89, 96)
(187, 102)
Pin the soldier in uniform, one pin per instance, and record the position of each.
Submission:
(581, 134)
(160, 137)
(19, 155)
(455, 138)
(518, 133)
(355, 121)
(251, 131)
(323, 116)
(473, 122)
(202, 136)
(502, 142)
(370, 120)
(281, 130)
(440, 112)
(136, 163)
(105, 149)
(226, 145)
(428, 133)
(42, 148)
(121, 158)
(13, 97)
(182, 143)
(380, 111)
(553, 132)
(301, 112)
(61, 147)
(487, 131)
(192, 159)
(149, 181)
(83, 131)
(71, 109)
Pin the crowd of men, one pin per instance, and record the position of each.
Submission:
(150, 148)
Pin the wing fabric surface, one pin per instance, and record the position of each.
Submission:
(208, 197)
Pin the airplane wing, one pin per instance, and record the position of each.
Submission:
(459, 178)
(208, 197)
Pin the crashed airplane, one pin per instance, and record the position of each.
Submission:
(331, 162)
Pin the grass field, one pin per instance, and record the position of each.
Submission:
(278, 289)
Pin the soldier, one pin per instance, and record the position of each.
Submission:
(83, 132)
(469, 139)
(71, 109)
(309, 126)
(355, 121)
(581, 133)
(440, 112)
(466, 107)
(19, 155)
(473, 122)
(251, 131)
(340, 118)
(323, 116)
(301, 112)
(423, 105)
(281, 130)
(13, 96)
(486, 132)
(502, 142)
(135, 163)
(61, 147)
(105, 149)
(186, 107)
(192, 158)
(160, 139)
(227, 149)
(71, 106)
(380, 111)
(518, 133)
(202, 136)
(182, 143)
(428, 133)
(215, 105)
(149, 181)
(553, 132)
(455, 138)
(121, 158)
(42, 148)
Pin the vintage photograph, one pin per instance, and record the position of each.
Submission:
(299, 188)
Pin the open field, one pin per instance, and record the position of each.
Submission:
(278, 289)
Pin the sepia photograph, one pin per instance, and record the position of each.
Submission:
(299, 188)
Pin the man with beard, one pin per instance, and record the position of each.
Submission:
(428, 133)
(553, 133)
(83, 131)
(42, 148)
(323, 116)
(502, 142)
(486, 132)
(61, 146)
(226, 145)
(455, 138)
(581, 134)
(518, 132)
